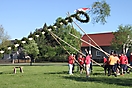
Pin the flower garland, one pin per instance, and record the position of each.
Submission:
(65, 21)
(82, 20)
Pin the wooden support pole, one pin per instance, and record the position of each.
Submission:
(60, 43)
(90, 44)
(129, 66)
(74, 48)
(84, 32)
(65, 49)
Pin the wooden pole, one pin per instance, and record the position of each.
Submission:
(60, 43)
(74, 48)
(84, 32)
(65, 49)
(129, 66)
(90, 44)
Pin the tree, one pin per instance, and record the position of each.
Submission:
(46, 44)
(63, 33)
(31, 49)
(4, 37)
(50, 50)
(122, 38)
(99, 12)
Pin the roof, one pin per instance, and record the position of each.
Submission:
(101, 39)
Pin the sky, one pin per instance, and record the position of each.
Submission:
(20, 17)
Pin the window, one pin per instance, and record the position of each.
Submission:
(98, 53)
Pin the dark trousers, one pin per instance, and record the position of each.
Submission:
(126, 69)
(115, 67)
(91, 67)
(122, 68)
(105, 68)
(110, 69)
(73, 68)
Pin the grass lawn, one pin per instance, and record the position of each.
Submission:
(56, 76)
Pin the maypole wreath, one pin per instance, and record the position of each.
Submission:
(69, 19)
(82, 20)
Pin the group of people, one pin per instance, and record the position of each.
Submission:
(116, 64)
(84, 63)
(113, 65)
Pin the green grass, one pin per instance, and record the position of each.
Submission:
(56, 76)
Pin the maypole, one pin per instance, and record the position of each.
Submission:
(84, 32)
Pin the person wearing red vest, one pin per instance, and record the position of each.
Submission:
(87, 64)
(81, 61)
(105, 64)
(123, 61)
(70, 63)
(126, 67)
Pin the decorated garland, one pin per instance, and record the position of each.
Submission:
(65, 21)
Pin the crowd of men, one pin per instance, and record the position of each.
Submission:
(117, 64)
(113, 65)
(83, 61)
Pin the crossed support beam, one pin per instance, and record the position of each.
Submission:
(72, 47)
(64, 48)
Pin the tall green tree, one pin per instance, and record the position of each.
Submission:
(49, 48)
(31, 49)
(63, 33)
(122, 38)
(46, 44)
(4, 37)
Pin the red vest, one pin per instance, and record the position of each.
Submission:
(81, 61)
(70, 59)
(123, 60)
(87, 60)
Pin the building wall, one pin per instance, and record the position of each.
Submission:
(97, 55)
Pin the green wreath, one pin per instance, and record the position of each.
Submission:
(82, 20)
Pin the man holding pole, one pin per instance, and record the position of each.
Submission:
(111, 62)
(87, 63)
(70, 63)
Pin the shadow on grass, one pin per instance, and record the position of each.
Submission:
(102, 74)
(115, 81)
(98, 78)
(63, 72)
(1, 72)
(6, 72)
